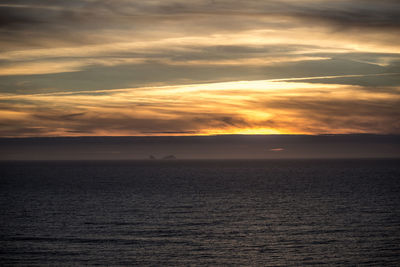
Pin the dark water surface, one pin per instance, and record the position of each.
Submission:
(174, 213)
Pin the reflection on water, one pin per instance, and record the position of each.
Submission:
(200, 212)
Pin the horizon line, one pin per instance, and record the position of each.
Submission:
(212, 135)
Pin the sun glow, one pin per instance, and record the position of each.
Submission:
(246, 131)
(242, 107)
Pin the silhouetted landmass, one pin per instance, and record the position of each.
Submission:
(152, 157)
(202, 147)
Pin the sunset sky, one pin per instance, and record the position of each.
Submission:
(199, 67)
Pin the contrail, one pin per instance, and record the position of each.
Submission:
(333, 76)
(13, 96)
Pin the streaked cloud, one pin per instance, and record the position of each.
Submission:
(278, 149)
(198, 67)
(231, 107)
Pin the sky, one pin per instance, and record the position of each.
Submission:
(199, 67)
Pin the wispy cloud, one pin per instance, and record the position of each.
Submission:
(84, 67)
(234, 107)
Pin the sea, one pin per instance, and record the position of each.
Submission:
(200, 213)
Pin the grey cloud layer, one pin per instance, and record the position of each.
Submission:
(153, 73)
(47, 18)
(49, 46)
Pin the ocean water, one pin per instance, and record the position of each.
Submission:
(200, 213)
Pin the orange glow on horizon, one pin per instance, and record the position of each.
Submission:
(259, 107)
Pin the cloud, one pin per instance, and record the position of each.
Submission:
(198, 67)
(47, 37)
(58, 117)
(61, 66)
(98, 22)
(232, 107)
(278, 149)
